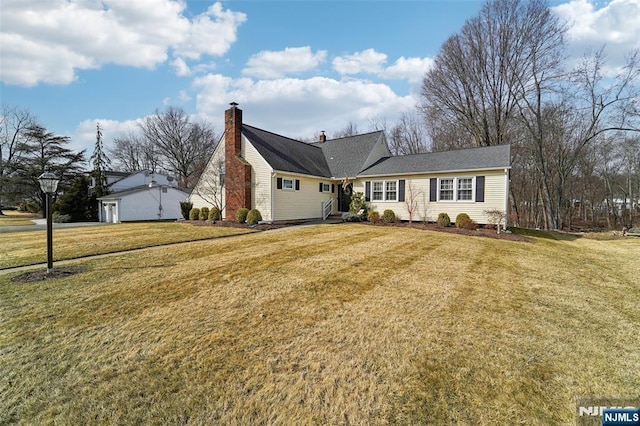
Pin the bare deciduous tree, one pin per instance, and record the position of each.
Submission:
(14, 127)
(182, 145)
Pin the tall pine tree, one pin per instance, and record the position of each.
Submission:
(101, 163)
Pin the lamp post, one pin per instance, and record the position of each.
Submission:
(48, 185)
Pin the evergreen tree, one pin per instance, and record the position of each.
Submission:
(75, 201)
(101, 164)
(42, 152)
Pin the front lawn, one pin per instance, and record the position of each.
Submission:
(28, 248)
(331, 324)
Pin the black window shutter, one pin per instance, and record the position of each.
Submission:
(279, 185)
(320, 186)
(367, 191)
(333, 188)
(433, 189)
(297, 184)
(480, 189)
(401, 190)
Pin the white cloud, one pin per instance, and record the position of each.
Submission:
(299, 107)
(277, 64)
(181, 67)
(616, 25)
(411, 69)
(84, 136)
(47, 41)
(368, 61)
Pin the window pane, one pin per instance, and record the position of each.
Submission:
(326, 187)
(446, 189)
(392, 194)
(287, 183)
(376, 193)
(465, 189)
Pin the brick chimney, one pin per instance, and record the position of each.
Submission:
(323, 137)
(237, 182)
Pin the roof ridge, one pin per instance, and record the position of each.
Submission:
(279, 135)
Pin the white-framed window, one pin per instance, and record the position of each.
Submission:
(377, 191)
(384, 190)
(287, 184)
(446, 189)
(456, 189)
(326, 187)
(465, 189)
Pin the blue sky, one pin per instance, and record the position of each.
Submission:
(295, 67)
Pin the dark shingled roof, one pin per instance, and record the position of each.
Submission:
(347, 156)
(351, 156)
(287, 155)
(491, 157)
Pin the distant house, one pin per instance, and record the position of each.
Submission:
(288, 179)
(142, 195)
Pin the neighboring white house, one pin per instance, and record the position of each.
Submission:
(288, 179)
(142, 195)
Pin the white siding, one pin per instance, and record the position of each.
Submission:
(209, 190)
(144, 205)
(260, 180)
(305, 203)
(495, 193)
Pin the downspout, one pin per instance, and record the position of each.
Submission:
(272, 197)
(506, 199)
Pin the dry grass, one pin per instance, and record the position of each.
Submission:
(27, 248)
(16, 218)
(339, 324)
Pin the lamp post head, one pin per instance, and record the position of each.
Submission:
(48, 182)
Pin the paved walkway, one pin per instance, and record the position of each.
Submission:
(100, 256)
(40, 224)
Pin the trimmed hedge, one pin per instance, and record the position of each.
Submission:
(373, 217)
(204, 213)
(215, 214)
(443, 220)
(194, 214)
(253, 217)
(185, 208)
(462, 219)
(241, 215)
(388, 216)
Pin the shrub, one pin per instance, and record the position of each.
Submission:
(241, 215)
(204, 213)
(33, 207)
(443, 220)
(185, 209)
(388, 216)
(194, 213)
(350, 217)
(469, 224)
(60, 218)
(462, 219)
(373, 217)
(358, 205)
(215, 214)
(253, 217)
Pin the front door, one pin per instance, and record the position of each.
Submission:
(344, 197)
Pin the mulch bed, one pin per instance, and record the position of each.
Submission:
(41, 275)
